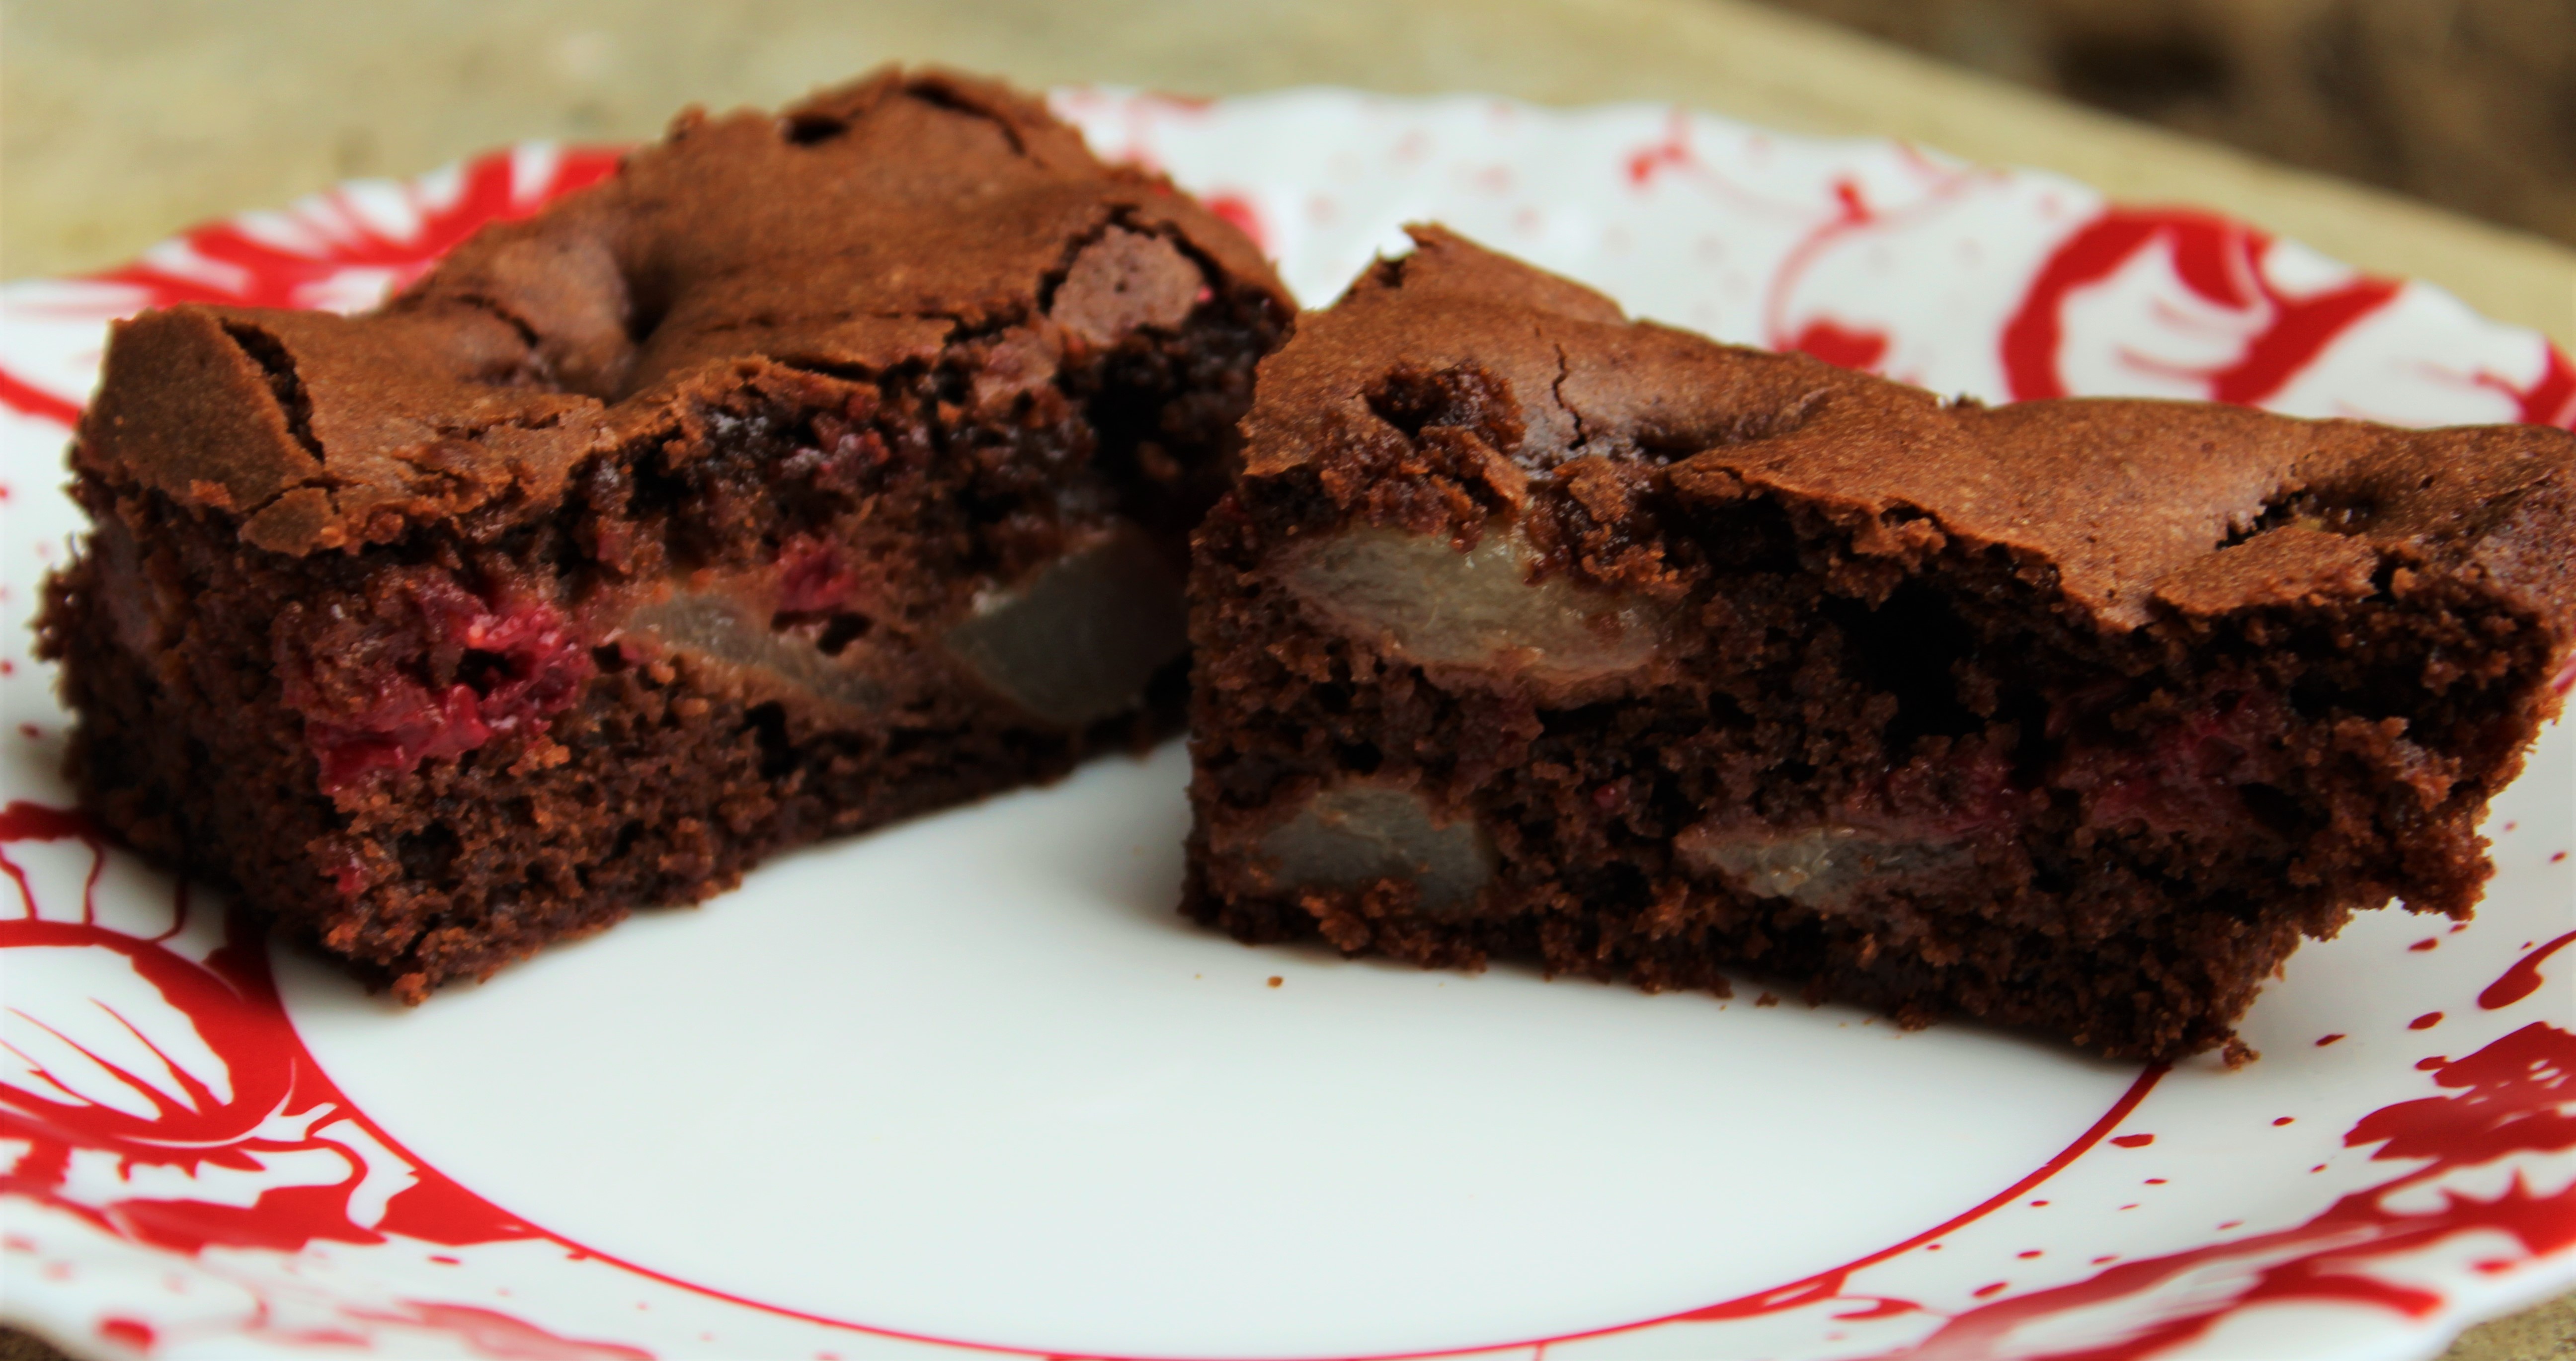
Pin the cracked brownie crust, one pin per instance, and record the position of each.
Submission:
(1532, 633)
(814, 470)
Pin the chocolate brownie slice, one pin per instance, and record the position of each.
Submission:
(813, 470)
(1530, 632)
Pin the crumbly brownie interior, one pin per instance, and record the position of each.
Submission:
(1575, 675)
(742, 604)
(734, 645)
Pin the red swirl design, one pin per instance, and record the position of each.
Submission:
(2221, 262)
(268, 1101)
(2517, 1095)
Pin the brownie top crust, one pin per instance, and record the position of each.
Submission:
(2131, 507)
(870, 226)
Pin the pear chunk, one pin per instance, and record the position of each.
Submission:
(1076, 641)
(1823, 867)
(723, 629)
(1359, 833)
(1435, 605)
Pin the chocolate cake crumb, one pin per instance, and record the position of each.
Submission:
(814, 470)
(1532, 633)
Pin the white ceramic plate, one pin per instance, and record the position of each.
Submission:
(969, 1084)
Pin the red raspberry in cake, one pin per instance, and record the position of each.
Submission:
(427, 669)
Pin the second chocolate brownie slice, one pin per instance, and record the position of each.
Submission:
(814, 470)
(1534, 633)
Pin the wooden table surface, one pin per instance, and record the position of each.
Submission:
(122, 120)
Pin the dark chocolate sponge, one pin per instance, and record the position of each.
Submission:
(1532, 632)
(814, 470)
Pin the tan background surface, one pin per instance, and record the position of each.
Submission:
(122, 120)
(2467, 103)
